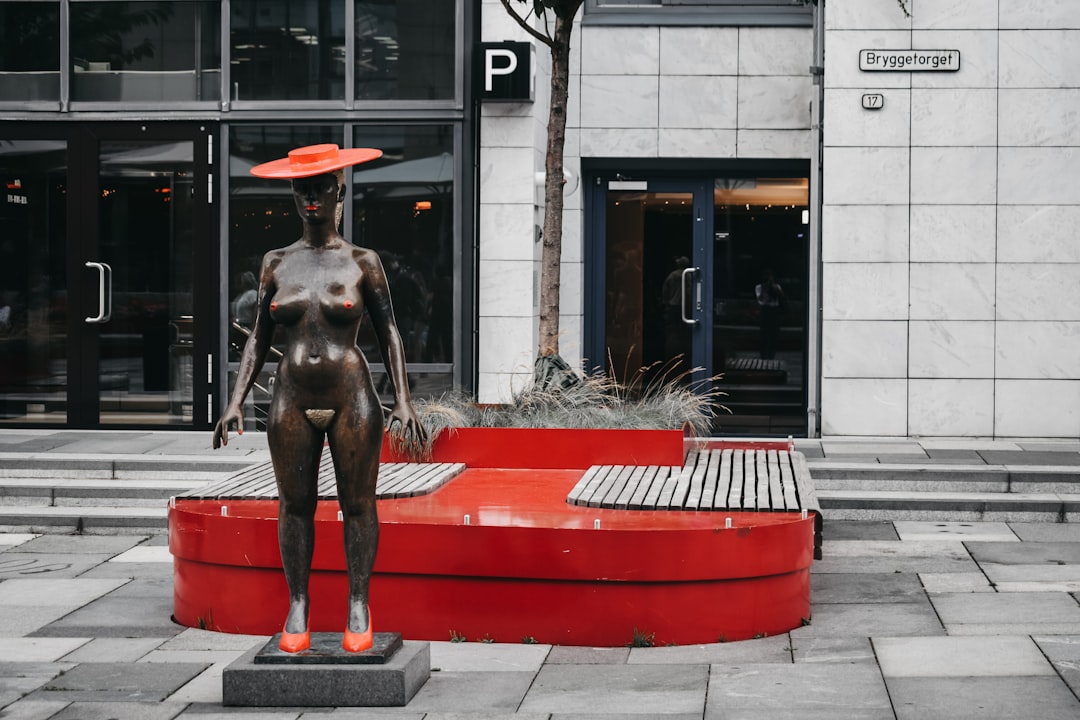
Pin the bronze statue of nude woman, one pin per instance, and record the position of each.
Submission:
(317, 290)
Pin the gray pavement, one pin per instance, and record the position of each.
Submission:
(911, 619)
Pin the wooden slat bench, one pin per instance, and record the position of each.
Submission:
(742, 480)
(396, 480)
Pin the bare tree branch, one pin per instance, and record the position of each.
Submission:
(546, 39)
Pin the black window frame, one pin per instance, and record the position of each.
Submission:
(778, 13)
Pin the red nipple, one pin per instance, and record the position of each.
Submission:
(273, 305)
(348, 304)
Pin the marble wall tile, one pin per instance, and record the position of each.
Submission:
(774, 103)
(501, 286)
(953, 233)
(1037, 291)
(842, 50)
(506, 344)
(774, 144)
(612, 101)
(697, 101)
(775, 51)
(866, 176)
(1039, 176)
(1037, 408)
(951, 349)
(978, 58)
(1039, 58)
(847, 123)
(1039, 117)
(952, 291)
(951, 408)
(1038, 350)
(506, 175)
(623, 50)
(507, 231)
(506, 130)
(572, 243)
(571, 291)
(1039, 14)
(496, 25)
(864, 349)
(570, 336)
(953, 175)
(697, 142)
(860, 14)
(495, 388)
(956, 15)
(864, 233)
(864, 291)
(617, 142)
(1038, 233)
(699, 51)
(958, 116)
(864, 406)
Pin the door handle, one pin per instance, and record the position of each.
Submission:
(104, 292)
(682, 307)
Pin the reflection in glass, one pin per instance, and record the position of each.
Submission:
(145, 51)
(29, 51)
(649, 243)
(283, 50)
(33, 297)
(405, 50)
(145, 236)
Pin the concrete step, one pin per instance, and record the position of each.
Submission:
(948, 506)
(944, 477)
(85, 520)
(120, 467)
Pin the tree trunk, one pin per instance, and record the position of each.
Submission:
(551, 253)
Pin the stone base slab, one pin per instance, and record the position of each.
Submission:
(324, 684)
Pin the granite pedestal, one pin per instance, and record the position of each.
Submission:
(388, 675)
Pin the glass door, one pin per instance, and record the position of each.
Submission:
(103, 319)
(705, 282)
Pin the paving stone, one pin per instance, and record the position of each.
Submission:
(372, 714)
(119, 682)
(618, 689)
(959, 657)
(859, 530)
(145, 554)
(114, 650)
(472, 691)
(1024, 611)
(96, 710)
(635, 716)
(871, 449)
(117, 616)
(951, 455)
(20, 620)
(487, 657)
(33, 709)
(866, 588)
(196, 639)
(1047, 532)
(22, 649)
(955, 582)
(1000, 574)
(1063, 651)
(81, 544)
(1029, 457)
(980, 698)
(204, 688)
(814, 691)
(1026, 553)
(870, 619)
(485, 716)
(10, 540)
(199, 711)
(20, 679)
(56, 592)
(760, 650)
(208, 657)
(828, 649)
(39, 565)
(909, 530)
(142, 571)
(570, 655)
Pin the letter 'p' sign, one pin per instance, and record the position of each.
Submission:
(506, 71)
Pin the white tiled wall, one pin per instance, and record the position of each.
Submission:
(958, 204)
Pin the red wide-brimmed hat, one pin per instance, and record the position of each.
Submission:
(314, 160)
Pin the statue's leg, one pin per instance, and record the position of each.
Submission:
(295, 447)
(355, 442)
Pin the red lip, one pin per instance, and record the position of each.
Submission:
(311, 207)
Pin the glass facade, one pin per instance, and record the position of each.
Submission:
(404, 50)
(30, 51)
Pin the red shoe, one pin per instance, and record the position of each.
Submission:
(294, 642)
(358, 642)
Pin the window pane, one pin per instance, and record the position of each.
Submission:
(405, 50)
(284, 50)
(29, 51)
(145, 51)
(403, 208)
(33, 283)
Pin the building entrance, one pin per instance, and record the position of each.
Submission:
(108, 275)
(705, 279)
